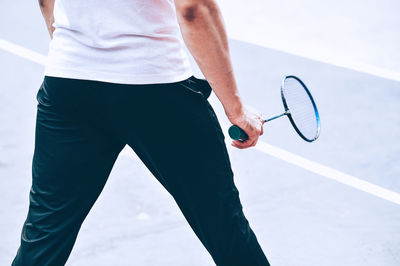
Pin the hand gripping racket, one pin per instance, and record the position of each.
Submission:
(300, 108)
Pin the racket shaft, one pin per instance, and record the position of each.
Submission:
(275, 117)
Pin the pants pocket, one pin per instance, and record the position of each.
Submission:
(197, 86)
(43, 96)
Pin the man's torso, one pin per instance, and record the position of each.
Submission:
(118, 41)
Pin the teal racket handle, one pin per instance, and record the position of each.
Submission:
(237, 133)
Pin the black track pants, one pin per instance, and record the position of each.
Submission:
(83, 125)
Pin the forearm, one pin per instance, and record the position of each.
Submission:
(204, 34)
(47, 6)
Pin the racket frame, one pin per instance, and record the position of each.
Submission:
(287, 110)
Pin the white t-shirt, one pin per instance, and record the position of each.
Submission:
(118, 41)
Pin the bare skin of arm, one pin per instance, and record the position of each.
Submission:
(47, 6)
(204, 34)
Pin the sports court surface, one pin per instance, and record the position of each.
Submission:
(332, 202)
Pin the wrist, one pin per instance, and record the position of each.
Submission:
(234, 108)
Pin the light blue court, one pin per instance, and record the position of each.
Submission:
(331, 202)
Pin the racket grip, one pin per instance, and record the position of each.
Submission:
(237, 133)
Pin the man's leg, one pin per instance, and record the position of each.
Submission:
(71, 164)
(178, 137)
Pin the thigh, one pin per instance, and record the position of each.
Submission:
(71, 153)
(177, 134)
(71, 163)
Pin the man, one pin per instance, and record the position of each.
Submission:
(117, 74)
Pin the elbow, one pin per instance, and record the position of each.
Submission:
(191, 11)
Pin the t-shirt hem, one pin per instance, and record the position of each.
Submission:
(118, 78)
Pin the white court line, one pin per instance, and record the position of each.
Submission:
(261, 146)
(328, 172)
(22, 52)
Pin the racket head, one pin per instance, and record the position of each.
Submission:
(300, 108)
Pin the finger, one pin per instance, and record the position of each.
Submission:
(241, 145)
(252, 141)
(238, 147)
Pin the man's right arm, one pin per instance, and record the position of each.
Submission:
(204, 34)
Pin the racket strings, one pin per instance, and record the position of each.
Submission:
(301, 108)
